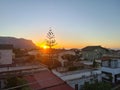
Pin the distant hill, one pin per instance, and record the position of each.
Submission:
(18, 42)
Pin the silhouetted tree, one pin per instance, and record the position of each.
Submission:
(94, 64)
(50, 42)
(16, 81)
(70, 58)
(77, 54)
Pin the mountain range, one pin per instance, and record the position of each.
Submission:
(18, 42)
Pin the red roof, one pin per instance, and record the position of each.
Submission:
(31, 79)
(46, 80)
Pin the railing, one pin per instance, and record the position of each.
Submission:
(20, 72)
(112, 65)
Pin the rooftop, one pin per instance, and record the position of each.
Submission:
(46, 80)
(76, 74)
(91, 48)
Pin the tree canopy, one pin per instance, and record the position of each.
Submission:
(97, 86)
(50, 41)
(16, 81)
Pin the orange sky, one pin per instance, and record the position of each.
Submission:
(72, 44)
(75, 23)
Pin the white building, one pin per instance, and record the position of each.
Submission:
(6, 54)
(79, 77)
(111, 69)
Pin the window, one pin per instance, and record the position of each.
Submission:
(114, 64)
(105, 64)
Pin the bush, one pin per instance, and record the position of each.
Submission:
(72, 68)
(16, 81)
(97, 86)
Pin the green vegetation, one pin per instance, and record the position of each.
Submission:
(97, 86)
(117, 88)
(77, 55)
(16, 81)
(71, 62)
(95, 64)
(69, 57)
(72, 68)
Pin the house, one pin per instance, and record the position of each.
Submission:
(93, 52)
(110, 69)
(6, 54)
(77, 79)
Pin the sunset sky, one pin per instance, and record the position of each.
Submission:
(75, 23)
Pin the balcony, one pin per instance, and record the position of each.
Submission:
(111, 64)
(111, 70)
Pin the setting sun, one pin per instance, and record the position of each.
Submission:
(45, 47)
(42, 45)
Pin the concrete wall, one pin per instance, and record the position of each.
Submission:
(111, 70)
(5, 57)
(79, 77)
(81, 81)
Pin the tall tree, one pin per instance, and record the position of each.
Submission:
(94, 64)
(50, 42)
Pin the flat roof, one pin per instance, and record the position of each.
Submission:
(76, 74)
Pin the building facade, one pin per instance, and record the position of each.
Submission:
(111, 69)
(79, 78)
(6, 54)
(93, 52)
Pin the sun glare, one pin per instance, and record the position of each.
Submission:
(45, 47)
(42, 45)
